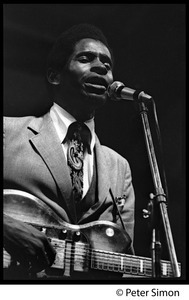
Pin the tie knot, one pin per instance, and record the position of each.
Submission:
(80, 132)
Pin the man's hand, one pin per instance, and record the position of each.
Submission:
(27, 245)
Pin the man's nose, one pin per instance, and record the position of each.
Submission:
(99, 67)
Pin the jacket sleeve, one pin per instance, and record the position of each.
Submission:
(126, 204)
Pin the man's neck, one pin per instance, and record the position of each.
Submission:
(79, 112)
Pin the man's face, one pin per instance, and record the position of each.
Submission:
(89, 71)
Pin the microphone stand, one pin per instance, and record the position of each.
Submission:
(157, 207)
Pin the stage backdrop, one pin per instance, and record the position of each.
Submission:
(148, 41)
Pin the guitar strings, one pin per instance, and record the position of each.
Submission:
(106, 259)
(115, 262)
(115, 259)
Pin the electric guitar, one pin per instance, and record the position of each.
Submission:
(98, 245)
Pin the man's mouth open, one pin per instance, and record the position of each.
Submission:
(96, 85)
(95, 88)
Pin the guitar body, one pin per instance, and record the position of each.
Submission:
(78, 247)
(93, 251)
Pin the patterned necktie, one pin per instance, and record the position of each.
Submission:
(78, 138)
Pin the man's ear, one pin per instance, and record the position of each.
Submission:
(53, 77)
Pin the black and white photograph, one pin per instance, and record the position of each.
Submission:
(94, 145)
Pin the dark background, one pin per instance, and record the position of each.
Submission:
(148, 41)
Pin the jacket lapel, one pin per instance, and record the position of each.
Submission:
(47, 143)
(43, 136)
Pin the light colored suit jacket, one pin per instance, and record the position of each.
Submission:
(34, 162)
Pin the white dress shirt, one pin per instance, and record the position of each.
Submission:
(62, 120)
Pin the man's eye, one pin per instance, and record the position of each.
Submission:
(83, 59)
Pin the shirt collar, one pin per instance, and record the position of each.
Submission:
(62, 120)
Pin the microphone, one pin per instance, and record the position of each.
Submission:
(118, 91)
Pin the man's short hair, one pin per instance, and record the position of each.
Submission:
(64, 45)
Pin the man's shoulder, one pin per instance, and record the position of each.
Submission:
(17, 120)
(17, 123)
